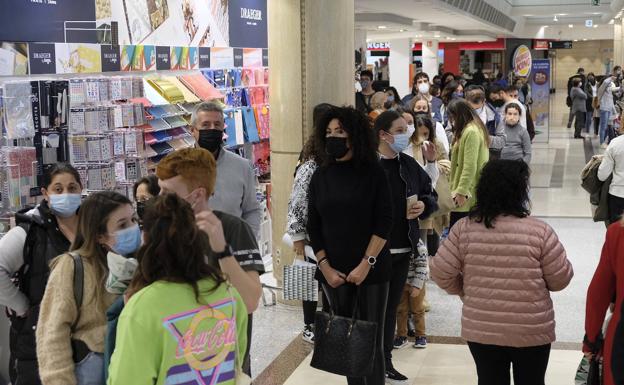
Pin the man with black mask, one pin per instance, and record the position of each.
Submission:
(235, 190)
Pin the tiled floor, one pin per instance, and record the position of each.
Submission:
(557, 198)
(441, 365)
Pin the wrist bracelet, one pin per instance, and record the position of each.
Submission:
(324, 260)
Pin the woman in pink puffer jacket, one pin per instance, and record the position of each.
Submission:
(503, 264)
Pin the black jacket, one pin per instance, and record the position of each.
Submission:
(44, 242)
(361, 104)
(590, 96)
(417, 181)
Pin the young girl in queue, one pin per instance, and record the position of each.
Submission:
(412, 198)
(42, 234)
(349, 221)
(469, 154)
(518, 142)
(175, 301)
(70, 335)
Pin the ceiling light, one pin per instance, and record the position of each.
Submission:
(402, 30)
(595, 25)
(448, 38)
(555, 18)
(611, 21)
(381, 27)
(575, 39)
(480, 41)
(584, 39)
(527, 15)
(453, 39)
(544, 26)
(570, 26)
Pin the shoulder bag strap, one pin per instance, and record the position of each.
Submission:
(78, 281)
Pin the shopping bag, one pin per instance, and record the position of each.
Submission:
(299, 282)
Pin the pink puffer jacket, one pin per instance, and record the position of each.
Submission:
(504, 276)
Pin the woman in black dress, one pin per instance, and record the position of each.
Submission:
(349, 220)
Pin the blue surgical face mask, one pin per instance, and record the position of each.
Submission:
(390, 99)
(401, 141)
(65, 205)
(410, 130)
(127, 241)
(458, 95)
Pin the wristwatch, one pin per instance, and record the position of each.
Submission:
(227, 252)
(371, 260)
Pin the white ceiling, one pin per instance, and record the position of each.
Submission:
(421, 19)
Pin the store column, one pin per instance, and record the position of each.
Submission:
(311, 56)
(399, 62)
(361, 45)
(618, 40)
(430, 57)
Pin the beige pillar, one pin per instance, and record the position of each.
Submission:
(311, 57)
(618, 54)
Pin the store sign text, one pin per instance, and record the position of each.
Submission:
(522, 61)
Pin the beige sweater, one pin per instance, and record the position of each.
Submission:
(57, 316)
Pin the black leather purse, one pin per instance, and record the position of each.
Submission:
(344, 346)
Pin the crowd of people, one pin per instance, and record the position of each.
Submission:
(388, 194)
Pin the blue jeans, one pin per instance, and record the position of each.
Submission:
(604, 121)
(588, 121)
(90, 371)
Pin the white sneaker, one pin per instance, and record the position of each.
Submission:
(308, 334)
(604, 146)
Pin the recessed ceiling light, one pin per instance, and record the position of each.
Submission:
(555, 18)
(575, 39)
(584, 39)
(544, 26)
(402, 30)
(381, 27)
(570, 26)
(527, 15)
(453, 39)
(611, 21)
(480, 41)
(595, 25)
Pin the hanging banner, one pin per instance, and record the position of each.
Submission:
(540, 89)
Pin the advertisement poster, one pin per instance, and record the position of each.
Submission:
(13, 59)
(540, 89)
(78, 58)
(46, 21)
(203, 23)
(252, 57)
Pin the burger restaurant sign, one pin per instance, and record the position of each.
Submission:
(522, 61)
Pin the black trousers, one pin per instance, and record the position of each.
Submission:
(456, 216)
(579, 124)
(616, 208)
(494, 362)
(371, 307)
(400, 265)
(596, 125)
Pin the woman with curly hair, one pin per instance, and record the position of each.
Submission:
(349, 220)
(504, 279)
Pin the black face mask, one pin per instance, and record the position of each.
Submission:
(336, 147)
(210, 140)
(498, 103)
(141, 206)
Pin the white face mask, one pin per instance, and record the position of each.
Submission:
(423, 88)
(410, 130)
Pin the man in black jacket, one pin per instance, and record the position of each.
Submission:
(413, 197)
(580, 74)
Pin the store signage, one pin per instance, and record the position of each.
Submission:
(522, 61)
(564, 44)
(111, 58)
(238, 57)
(204, 57)
(589, 23)
(163, 59)
(265, 57)
(595, 3)
(377, 46)
(42, 58)
(540, 45)
(248, 23)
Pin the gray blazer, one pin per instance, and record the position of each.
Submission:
(579, 97)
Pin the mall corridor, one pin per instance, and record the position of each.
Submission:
(556, 197)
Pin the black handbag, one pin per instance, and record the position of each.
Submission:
(344, 346)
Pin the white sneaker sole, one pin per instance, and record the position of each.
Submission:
(396, 382)
(420, 346)
(308, 339)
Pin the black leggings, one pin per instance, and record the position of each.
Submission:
(493, 364)
(400, 266)
(372, 307)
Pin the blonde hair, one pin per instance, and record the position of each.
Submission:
(377, 100)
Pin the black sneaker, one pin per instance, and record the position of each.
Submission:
(308, 334)
(393, 377)
(400, 342)
(411, 333)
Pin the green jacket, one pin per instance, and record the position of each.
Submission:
(469, 155)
